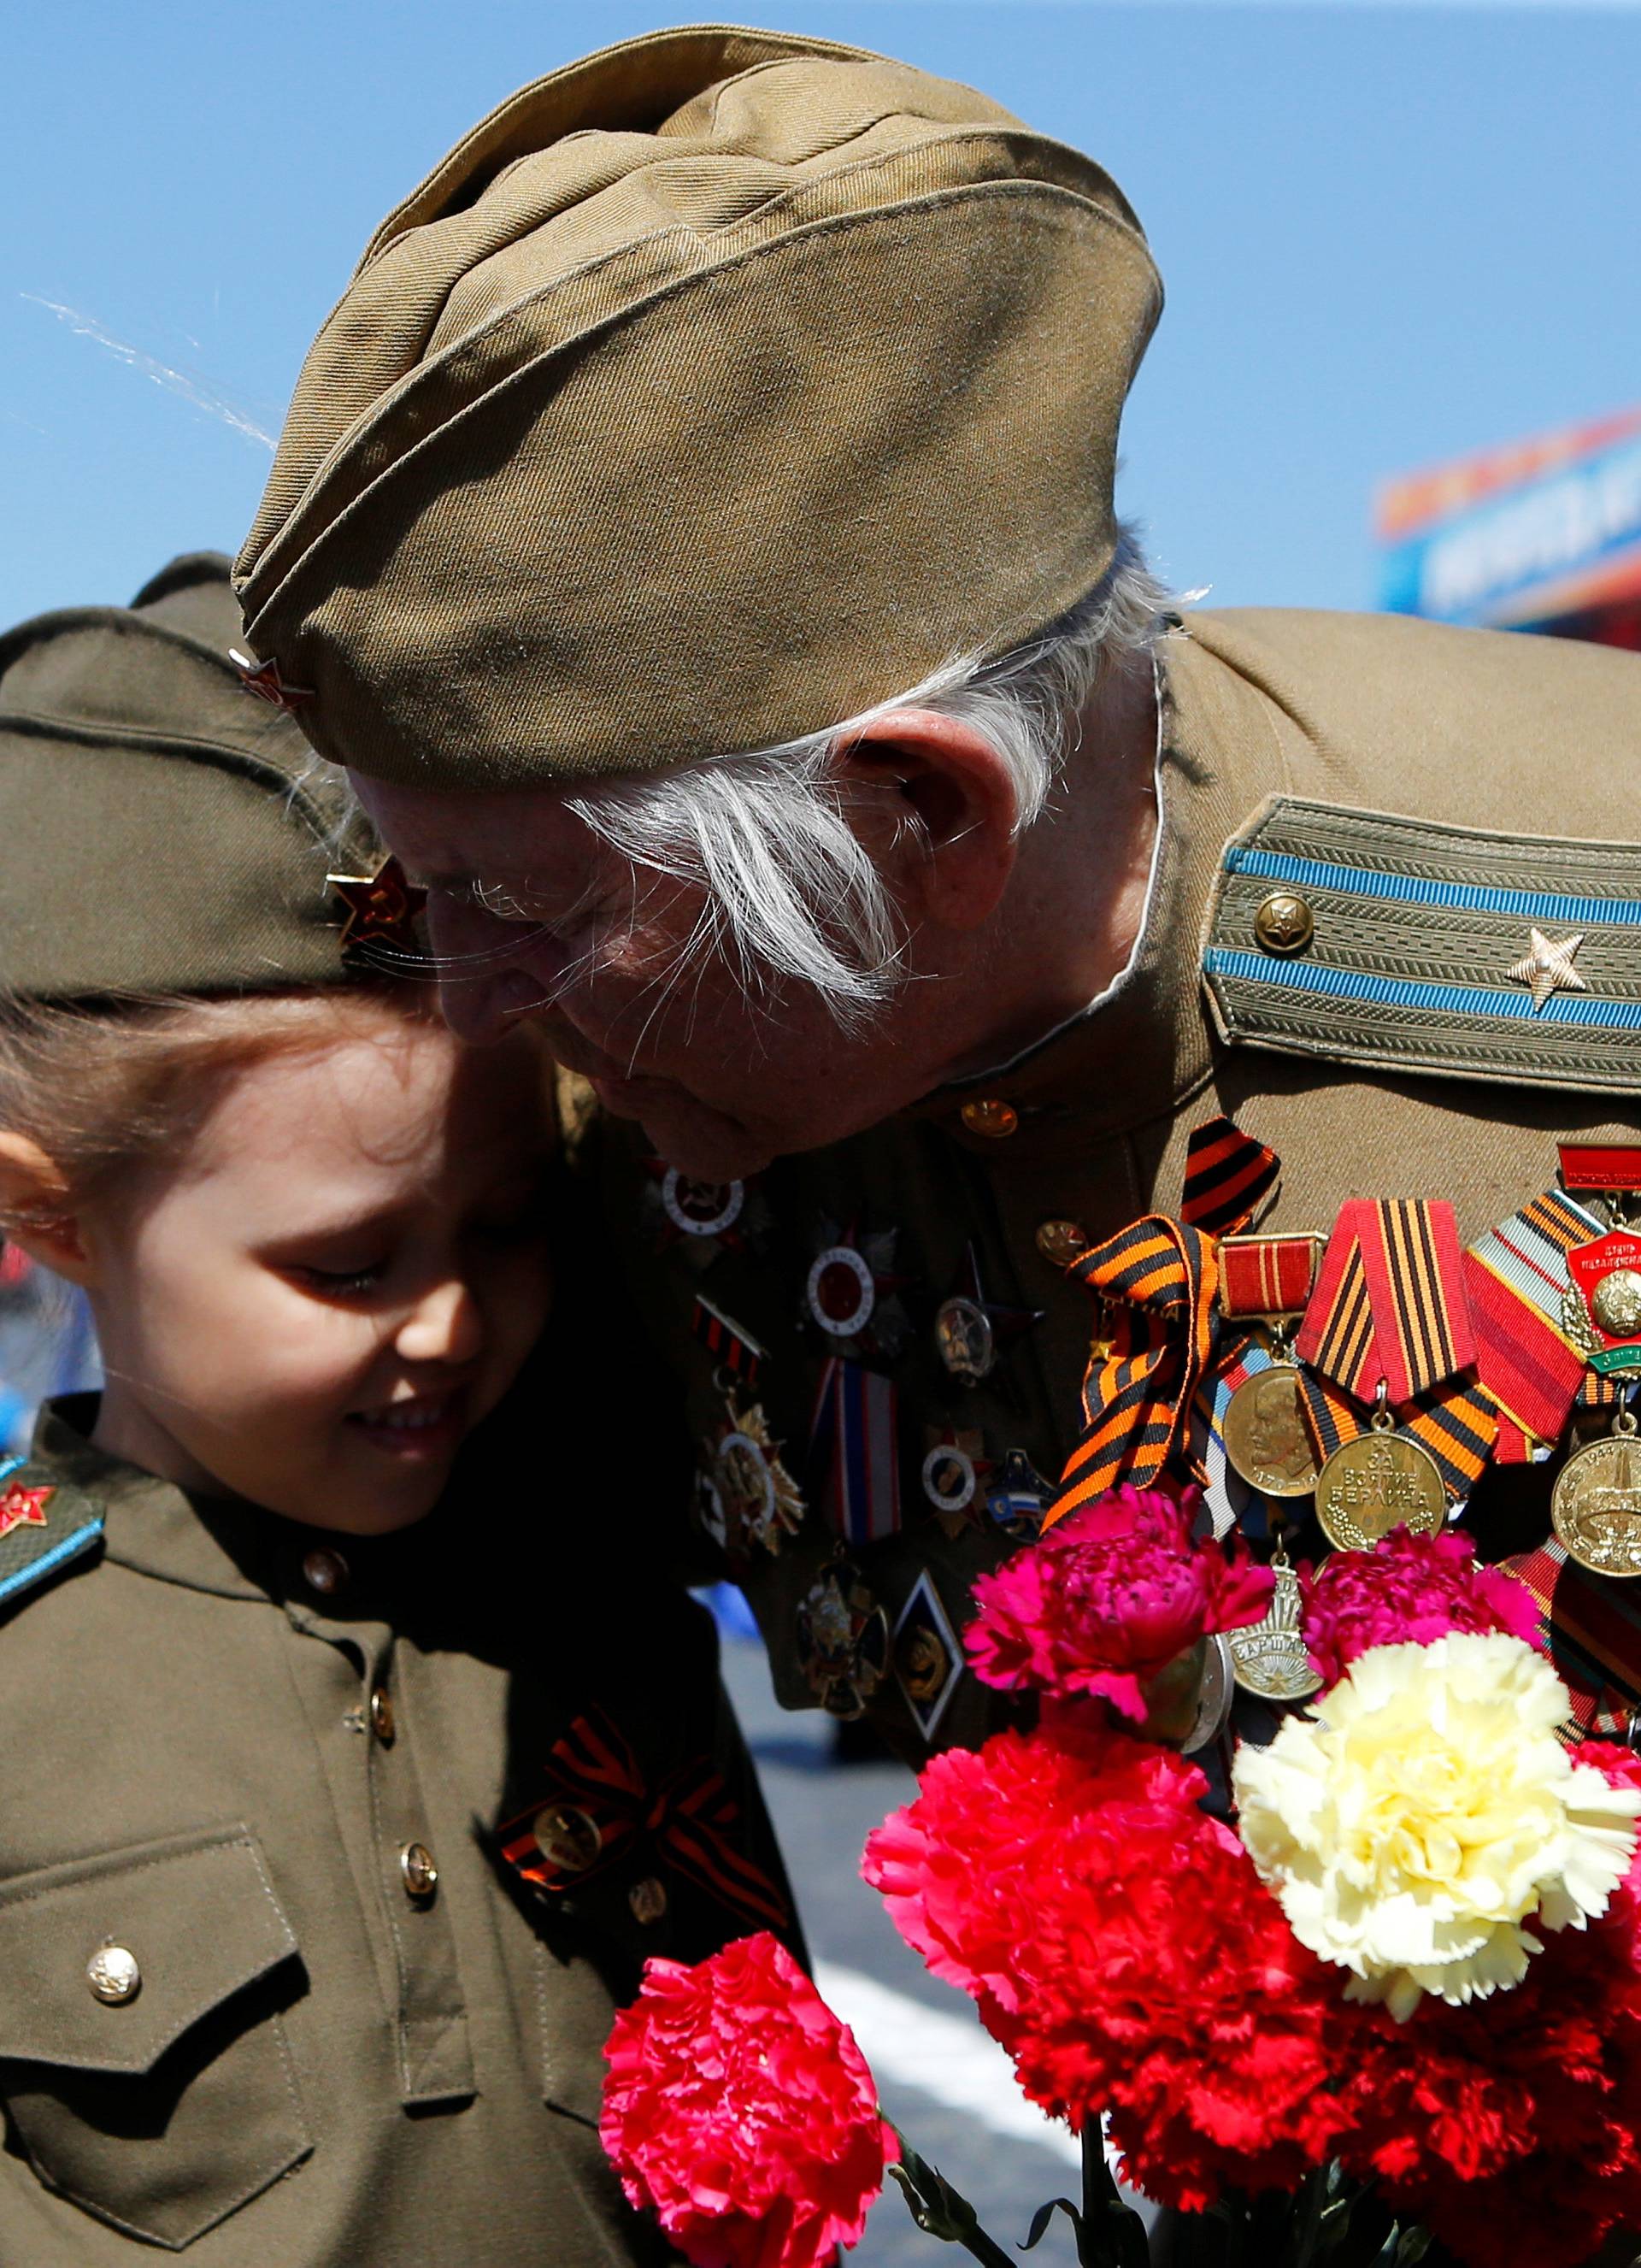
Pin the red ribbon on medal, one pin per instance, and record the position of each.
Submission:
(1391, 1311)
(1517, 1279)
(1602, 1169)
(856, 1431)
(1591, 1630)
(738, 1352)
(597, 1808)
(1267, 1275)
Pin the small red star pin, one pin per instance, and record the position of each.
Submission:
(381, 907)
(263, 679)
(22, 1507)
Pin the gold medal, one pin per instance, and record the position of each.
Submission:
(1380, 1481)
(1596, 1506)
(1269, 1658)
(1267, 1441)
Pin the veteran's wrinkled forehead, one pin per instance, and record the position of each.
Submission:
(712, 390)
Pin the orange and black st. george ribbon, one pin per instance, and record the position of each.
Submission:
(1227, 1177)
(1390, 1314)
(1156, 1280)
(684, 1822)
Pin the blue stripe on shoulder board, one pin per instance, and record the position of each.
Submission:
(1421, 890)
(71, 1546)
(1467, 1000)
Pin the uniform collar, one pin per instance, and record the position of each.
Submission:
(220, 1544)
(1146, 1044)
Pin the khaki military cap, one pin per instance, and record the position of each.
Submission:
(164, 831)
(712, 390)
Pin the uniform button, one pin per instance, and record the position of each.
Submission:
(420, 1875)
(113, 1974)
(566, 1838)
(1061, 1241)
(382, 1715)
(648, 1901)
(1284, 922)
(325, 1571)
(991, 1116)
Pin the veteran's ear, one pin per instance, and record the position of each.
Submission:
(37, 1209)
(937, 810)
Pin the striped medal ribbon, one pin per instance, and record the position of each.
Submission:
(1227, 1177)
(597, 1809)
(1156, 1281)
(1518, 1281)
(1591, 1630)
(1388, 1330)
(854, 1437)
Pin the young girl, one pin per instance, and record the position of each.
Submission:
(358, 1745)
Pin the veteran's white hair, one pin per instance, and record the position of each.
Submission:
(789, 892)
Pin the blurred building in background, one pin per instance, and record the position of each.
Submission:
(46, 1344)
(1544, 535)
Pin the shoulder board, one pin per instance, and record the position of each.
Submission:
(43, 1524)
(1409, 947)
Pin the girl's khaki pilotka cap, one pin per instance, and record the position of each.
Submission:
(164, 832)
(713, 390)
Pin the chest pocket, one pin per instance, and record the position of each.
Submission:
(143, 2063)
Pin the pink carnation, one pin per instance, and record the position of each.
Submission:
(1110, 1597)
(1409, 1590)
(740, 2110)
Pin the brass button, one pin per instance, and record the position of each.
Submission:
(420, 1875)
(992, 1117)
(566, 1838)
(1061, 1242)
(1284, 922)
(382, 1715)
(325, 1571)
(113, 1974)
(648, 1901)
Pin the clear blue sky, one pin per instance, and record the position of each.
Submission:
(1389, 234)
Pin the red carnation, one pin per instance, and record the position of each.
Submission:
(1119, 1945)
(1411, 1590)
(740, 2109)
(1110, 1597)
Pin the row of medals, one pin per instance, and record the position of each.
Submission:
(1383, 1480)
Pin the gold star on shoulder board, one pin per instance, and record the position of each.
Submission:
(381, 909)
(1548, 967)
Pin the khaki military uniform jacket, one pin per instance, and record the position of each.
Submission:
(1398, 770)
(237, 2018)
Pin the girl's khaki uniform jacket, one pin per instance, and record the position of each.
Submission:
(234, 1747)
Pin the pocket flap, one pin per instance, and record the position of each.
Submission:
(182, 1923)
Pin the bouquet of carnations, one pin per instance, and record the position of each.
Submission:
(1393, 1998)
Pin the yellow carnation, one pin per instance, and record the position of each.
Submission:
(1426, 1813)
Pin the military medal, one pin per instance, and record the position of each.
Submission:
(739, 1355)
(855, 1441)
(1380, 1480)
(1389, 1324)
(969, 1329)
(1267, 1441)
(1214, 1695)
(927, 1659)
(750, 1489)
(1019, 1497)
(850, 1293)
(1269, 1658)
(22, 1507)
(953, 1467)
(700, 1208)
(842, 1639)
(1595, 1508)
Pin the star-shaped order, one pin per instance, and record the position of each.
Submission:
(1548, 967)
(22, 1507)
(263, 679)
(381, 907)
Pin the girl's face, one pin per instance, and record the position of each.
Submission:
(316, 1302)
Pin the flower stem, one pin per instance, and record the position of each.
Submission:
(941, 2211)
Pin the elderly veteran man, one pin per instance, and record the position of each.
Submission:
(694, 530)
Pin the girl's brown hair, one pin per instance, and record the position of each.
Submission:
(107, 1088)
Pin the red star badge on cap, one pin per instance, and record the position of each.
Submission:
(263, 679)
(381, 907)
(22, 1507)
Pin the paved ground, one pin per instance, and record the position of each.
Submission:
(941, 2077)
